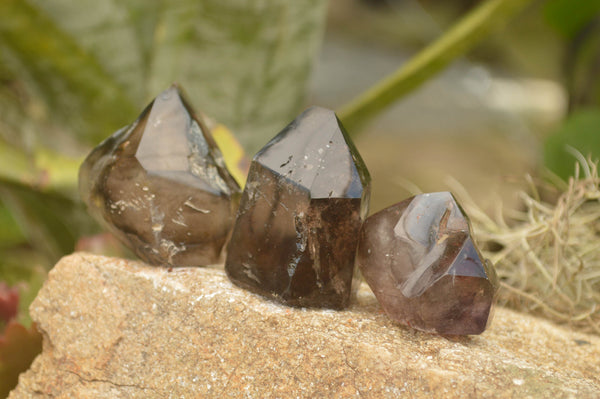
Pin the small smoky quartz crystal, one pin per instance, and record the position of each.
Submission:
(161, 186)
(297, 227)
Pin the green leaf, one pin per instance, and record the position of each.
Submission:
(90, 66)
(579, 134)
(582, 68)
(568, 17)
(44, 170)
(51, 223)
(72, 84)
(10, 233)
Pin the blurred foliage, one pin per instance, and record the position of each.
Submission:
(90, 66)
(582, 66)
(568, 19)
(9, 304)
(18, 345)
(577, 138)
(469, 31)
(579, 25)
(71, 73)
(10, 234)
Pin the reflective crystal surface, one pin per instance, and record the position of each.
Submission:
(419, 258)
(297, 227)
(161, 186)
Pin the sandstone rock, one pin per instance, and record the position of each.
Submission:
(120, 329)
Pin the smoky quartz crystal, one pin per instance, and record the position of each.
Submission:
(161, 186)
(419, 258)
(297, 227)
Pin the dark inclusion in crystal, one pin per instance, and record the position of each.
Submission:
(419, 258)
(161, 186)
(297, 227)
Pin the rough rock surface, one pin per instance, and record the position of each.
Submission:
(119, 329)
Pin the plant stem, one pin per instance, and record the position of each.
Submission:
(464, 35)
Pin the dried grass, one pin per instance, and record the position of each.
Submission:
(548, 255)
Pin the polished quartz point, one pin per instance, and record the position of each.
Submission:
(419, 258)
(297, 227)
(161, 186)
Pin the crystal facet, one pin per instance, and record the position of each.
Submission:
(297, 227)
(161, 186)
(419, 258)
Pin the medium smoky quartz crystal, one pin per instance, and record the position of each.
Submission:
(419, 258)
(297, 227)
(161, 186)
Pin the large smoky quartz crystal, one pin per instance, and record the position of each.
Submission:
(419, 258)
(297, 227)
(161, 186)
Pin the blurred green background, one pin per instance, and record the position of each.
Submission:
(71, 73)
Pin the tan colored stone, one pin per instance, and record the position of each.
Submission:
(120, 329)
